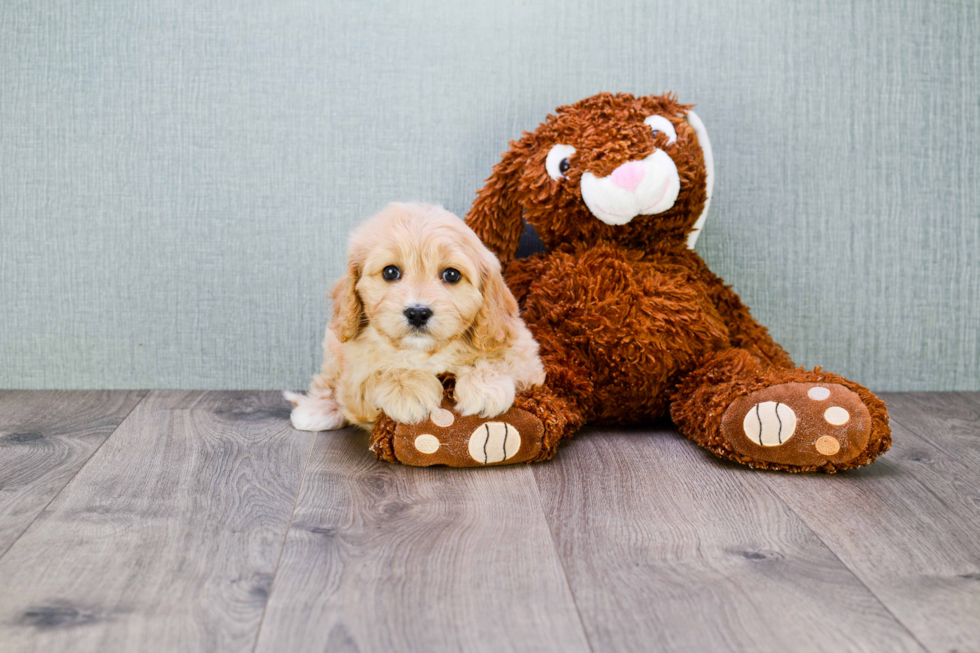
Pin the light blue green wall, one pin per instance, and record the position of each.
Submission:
(177, 178)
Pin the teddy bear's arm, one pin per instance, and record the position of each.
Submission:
(745, 332)
(520, 274)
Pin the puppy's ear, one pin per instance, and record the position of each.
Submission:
(497, 321)
(348, 312)
(497, 215)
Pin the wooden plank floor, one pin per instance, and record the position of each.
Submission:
(200, 521)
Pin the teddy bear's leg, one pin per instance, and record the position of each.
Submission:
(528, 432)
(741, 408)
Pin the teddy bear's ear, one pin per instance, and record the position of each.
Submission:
(709, 166)
(497, 215)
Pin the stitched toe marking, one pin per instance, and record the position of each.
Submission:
(494, 442)
(769, 423)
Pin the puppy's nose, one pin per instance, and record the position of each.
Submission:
(417, 316)
(629, 175)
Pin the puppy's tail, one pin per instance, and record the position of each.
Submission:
(314, 413)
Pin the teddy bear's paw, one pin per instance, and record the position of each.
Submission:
(798, 424)
(448, 438)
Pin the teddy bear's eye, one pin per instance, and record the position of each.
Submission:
(661, 124)
(557, 163)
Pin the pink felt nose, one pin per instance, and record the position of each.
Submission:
(628, 176)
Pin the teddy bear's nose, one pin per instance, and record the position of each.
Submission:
(629, 175)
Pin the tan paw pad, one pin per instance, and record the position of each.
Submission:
(442, 417)
(494, 442)
(827, 445)
(427, 443)
(818, 393)
(837, 416)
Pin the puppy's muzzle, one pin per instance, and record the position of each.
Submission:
(418, 316)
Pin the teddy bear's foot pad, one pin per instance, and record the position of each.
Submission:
(800, 424)
(447, 438)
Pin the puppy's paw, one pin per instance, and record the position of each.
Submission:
(484, 392)
(314, 413)
(410, 400)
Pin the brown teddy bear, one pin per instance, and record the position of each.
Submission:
(632, 324)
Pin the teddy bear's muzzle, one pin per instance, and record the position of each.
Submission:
(645, 187)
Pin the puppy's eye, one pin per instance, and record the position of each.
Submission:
(661, 124)
(451, 275)
(557, 163)
(391, 273)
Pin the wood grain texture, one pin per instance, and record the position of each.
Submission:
(908, 525)
(950, 421)
(167, 540)
(385, 557)
(175, 536)
(45, 438)
(667, 548)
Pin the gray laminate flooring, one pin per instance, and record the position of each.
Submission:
(200, 521)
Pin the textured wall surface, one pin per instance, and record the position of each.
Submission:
(177, 178)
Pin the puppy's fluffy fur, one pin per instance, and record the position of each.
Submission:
(375, 360)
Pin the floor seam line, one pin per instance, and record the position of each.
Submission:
(561, 563)
(285, 538)
(850, 570)
(77, 472)
(950, 456)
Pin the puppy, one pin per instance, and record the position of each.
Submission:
(422, 296)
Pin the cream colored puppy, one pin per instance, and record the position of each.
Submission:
(422, 296)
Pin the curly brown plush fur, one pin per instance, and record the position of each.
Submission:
(632, 324)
